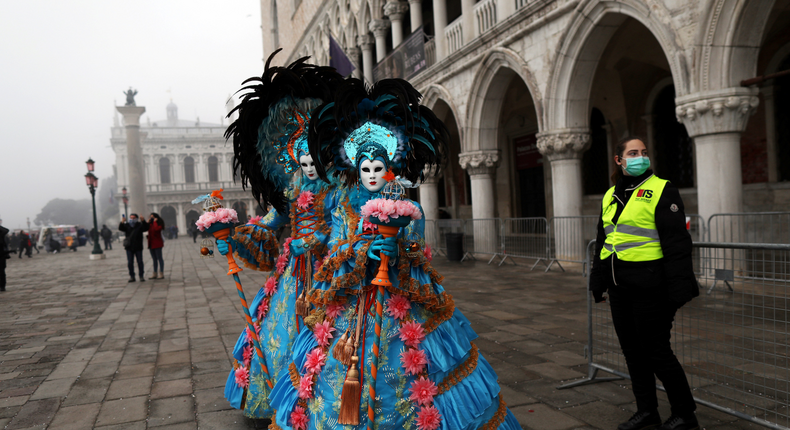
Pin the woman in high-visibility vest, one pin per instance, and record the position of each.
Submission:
(644, 262)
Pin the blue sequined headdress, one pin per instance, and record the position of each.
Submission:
(384, 121)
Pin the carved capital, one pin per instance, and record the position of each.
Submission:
(379, 27)
(479, 162)
(719, 111)
(563, 145)
(366, 41)
(353, 53)
(396, 10)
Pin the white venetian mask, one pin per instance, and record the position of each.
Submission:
(308, 167)
(371, 174)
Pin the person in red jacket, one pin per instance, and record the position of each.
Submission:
(155, 244)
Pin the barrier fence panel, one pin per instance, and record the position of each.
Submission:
(754, 227)
(524, 238)
(732, 343)
(444, 226)
(482, 237)
(567, 237)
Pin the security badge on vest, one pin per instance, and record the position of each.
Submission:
(634, 237)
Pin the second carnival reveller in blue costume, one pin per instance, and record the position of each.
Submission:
(272, 158)
(404, 345)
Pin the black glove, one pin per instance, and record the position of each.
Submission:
(598, 296)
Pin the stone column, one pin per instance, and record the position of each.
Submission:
(439, 24)
(396, 10)
(181, 221)
(353, 54)
(379, 29)
(481, 166)
(415, 13)
(365, 43)
(429, 200)
(134, 155)
(715, 120)
(564, 149)
(468, 17)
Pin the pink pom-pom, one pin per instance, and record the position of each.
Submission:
(221, 215)
(428, 418)
(287, 247)
(299, 418)
(262, 309)
(398, 306)
(414, 361)
(282, 261)
(247, 354)
(314, 361)
(270, 287)
(242, 377)
(254, 220)
(322, 333)
(412, 334)
(368, 226)
(423, 391)
(428, 252)
(306, 386)
(304, 200)
(334, 311)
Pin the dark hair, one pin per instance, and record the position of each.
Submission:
(158, 219)
(619, 150)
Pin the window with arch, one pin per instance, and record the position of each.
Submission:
(189, 170)
(164, 170)
(213, 169)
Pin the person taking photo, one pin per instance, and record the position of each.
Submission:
(133, 243)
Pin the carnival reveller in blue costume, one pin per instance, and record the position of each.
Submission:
(272, 157)
(406, 343)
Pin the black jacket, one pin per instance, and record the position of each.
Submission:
(135, 234)
(674, 272)
(106, 233)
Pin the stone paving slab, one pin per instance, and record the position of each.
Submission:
(81, 348)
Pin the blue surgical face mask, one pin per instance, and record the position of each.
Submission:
(132, 221)
(635, 166)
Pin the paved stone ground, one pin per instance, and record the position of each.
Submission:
(81, 348)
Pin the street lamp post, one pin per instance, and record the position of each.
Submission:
(125, 203)
(93, 182)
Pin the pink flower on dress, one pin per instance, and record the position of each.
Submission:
(221, 215)
(334, 311)
(368, 226)
(248, 332)
(323, 332)
(306, 386)
(262, 309)
(247, 354)
(423, 391)
(299, 418)
(242, 377)
(314, 361)
(428, 418)
(270, 287)
(282, 261)
(398, 306)
(412, 334)
(428, 253)
(305, 199)
(414, 360)
(287, 247)
(254, 220)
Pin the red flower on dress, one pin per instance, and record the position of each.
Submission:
(254, 220)
(322, 333)
(247, 354)
(412, 334)
(305, 199)
(414, 361)
(242, 377)
(282, 261)
(299, 418)
(423, 391)
(334, 311)
(314, 361)
(270, 287)
(306, 386)
(262, 309)
(428, 418)
(398, 306)
(249, 333)
(428, 253)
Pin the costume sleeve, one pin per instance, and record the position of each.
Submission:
(676, 246)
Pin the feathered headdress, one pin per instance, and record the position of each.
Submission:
(385, 120)
(271, 130)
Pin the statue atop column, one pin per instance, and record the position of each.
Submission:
(130, 97)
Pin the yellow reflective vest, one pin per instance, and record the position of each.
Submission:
(634, 237)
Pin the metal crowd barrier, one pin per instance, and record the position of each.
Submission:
(523, 238)
(444, 226)
(732, 343)
(566, 237)
(481, 236)
(750, 227)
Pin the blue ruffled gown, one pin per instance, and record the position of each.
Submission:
(467, 389)
(256, 246)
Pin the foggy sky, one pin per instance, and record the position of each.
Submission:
(65, 64)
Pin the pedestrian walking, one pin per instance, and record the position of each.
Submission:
(13, 242)
(133, 243)
(175, 232)
(155, 244)
(194, 234)
(24, 245)
(644, 262)
(34, 242)
(3, 255)
(106, 235)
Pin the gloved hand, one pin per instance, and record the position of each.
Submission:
(388, 247)
(297, 247)
(598, 296)
(222, 246)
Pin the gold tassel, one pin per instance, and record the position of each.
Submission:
(339, 351)
(302, 304)
(348, 351)
(349, 399)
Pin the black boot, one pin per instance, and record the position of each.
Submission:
(131, 279)
(676, 422)
(643, 420)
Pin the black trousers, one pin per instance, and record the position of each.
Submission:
(107, 244)
(130, 256)
(643, 319)
(2, 270)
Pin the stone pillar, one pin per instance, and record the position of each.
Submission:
(181, 221)
(365, 43)
(415, 14)
(481, 166)
(715, 120)
(564, 149)
(429, 200)
(134, 155)
(468, 18)
(439, 24)
(379, 29)
(353, 54)
(396, 10)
